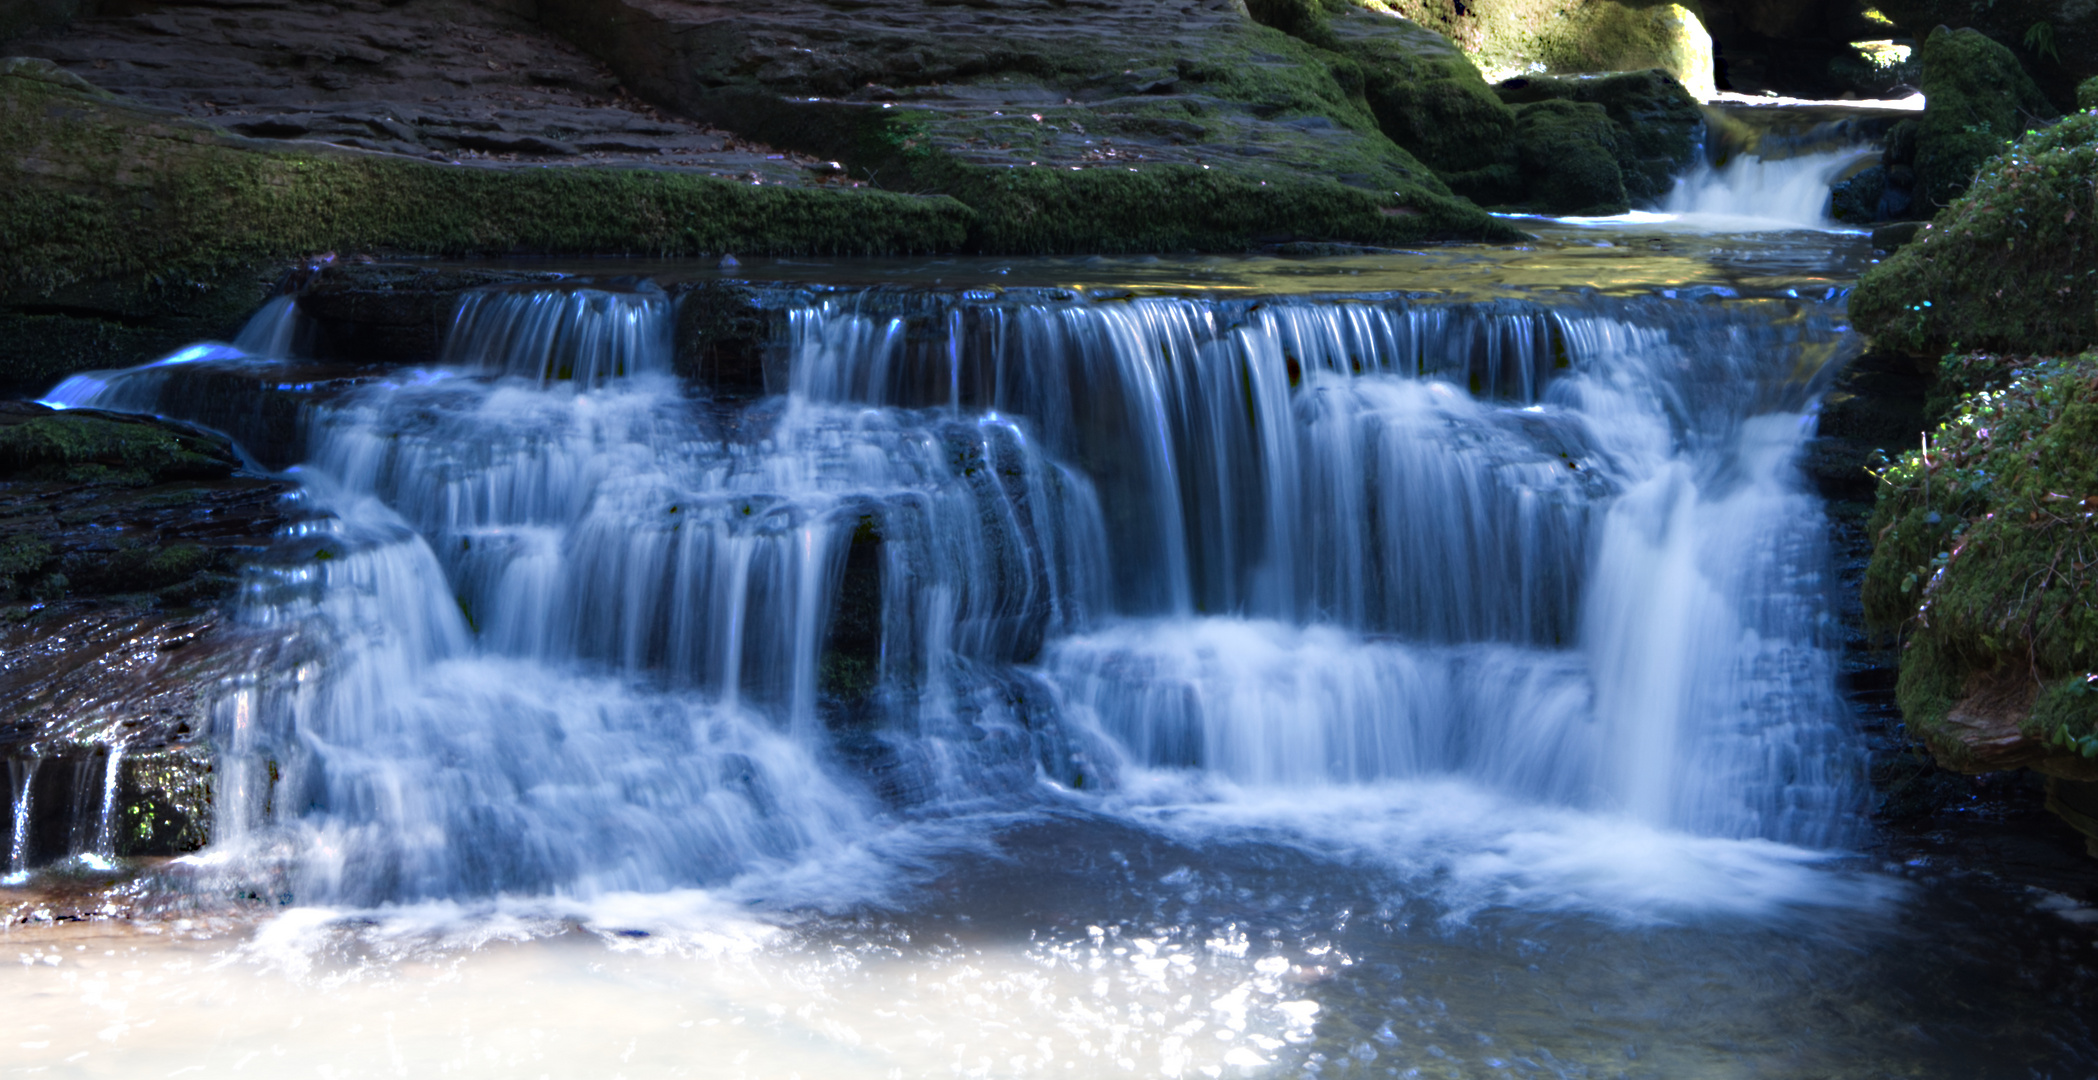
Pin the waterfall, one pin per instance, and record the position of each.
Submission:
(21, 776)
(579, 630)
(1752, 192)
(583, 334)
(105, 844)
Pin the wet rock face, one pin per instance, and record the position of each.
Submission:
(104, 506)
(386, 313)
(121, 540)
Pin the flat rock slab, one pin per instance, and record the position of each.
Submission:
(436, 79)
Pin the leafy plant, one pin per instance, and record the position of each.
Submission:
(2039, 41)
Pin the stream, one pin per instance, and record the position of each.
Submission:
(1412, 664)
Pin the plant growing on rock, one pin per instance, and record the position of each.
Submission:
(1986, 562)
(2009, 265)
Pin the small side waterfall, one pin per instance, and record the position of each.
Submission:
(578, 631)
(21, 782)
(1751, 192)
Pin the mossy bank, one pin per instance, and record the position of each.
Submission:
(1984, 551)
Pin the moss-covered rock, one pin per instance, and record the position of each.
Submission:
(1137, 127)
(1520, 37)
(1984, 562)
(1569, 155)
(1426, 94)
(2055, 40)
(98, 506)
(100, 190)
(1979, 97)
(1657, 126)
(2008, 266)
(126, 229)
(89, 448)
(2087, 95)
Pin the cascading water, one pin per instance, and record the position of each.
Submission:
(1043, 681)
(585, 633)
(1755, 192)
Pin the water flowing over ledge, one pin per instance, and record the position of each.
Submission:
(578, 631)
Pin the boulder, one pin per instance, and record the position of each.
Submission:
(1569, 157)
(2055, 41)
(1527, 37)
(1978, 99)
(1425, 93)
(1656, 125)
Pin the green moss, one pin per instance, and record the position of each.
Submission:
(1658, 125)
(2087, 95)
(1569, 153)
(101, 190)
(1187, 208)
(2008, 266)
(22, 561)
(1425, 93)
(127, 451)
(1985, 553)
(1979, 99)
(1307, 19)
(165, 799)
(1512, 37)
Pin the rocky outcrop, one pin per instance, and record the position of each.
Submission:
(447, 81)
(1651, 131)
(121, 543)
(2006, 267)
(1606, 141)
(127, 228)
(1983, 565)
(1148, 126)
(1525, 37)
(1981, 555)
(1979, 97)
